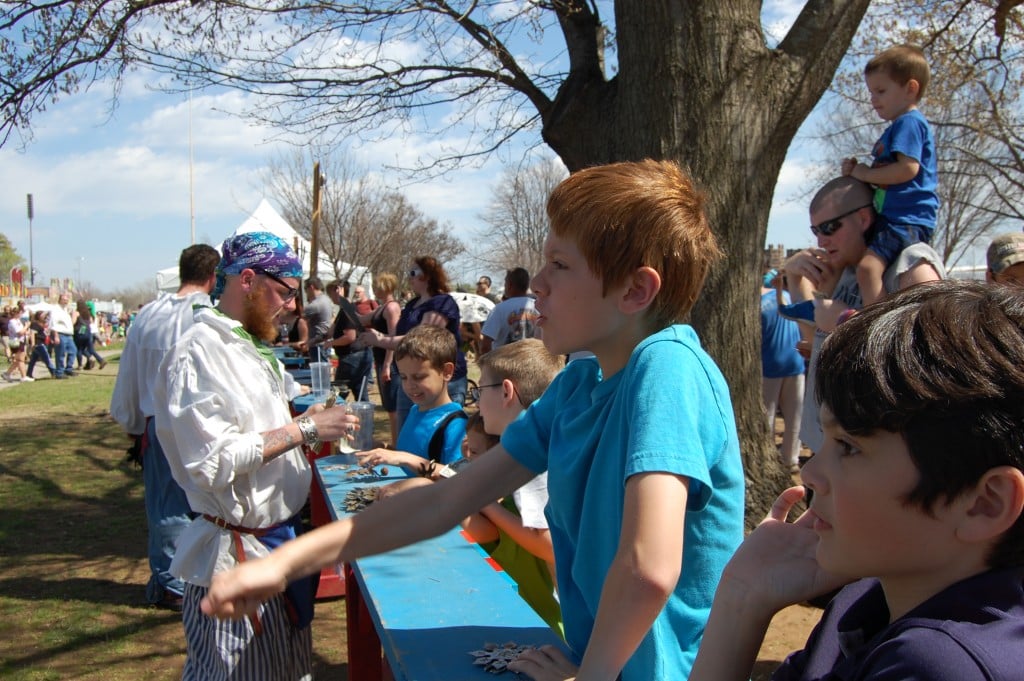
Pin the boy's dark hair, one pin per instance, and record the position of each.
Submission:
(902, 63)
(623, 216)
(315, 283)
(197, 264)
(941, 364)
(432, 344)
(517, 278)
(338, 283)
(527, 363)
(475, 422)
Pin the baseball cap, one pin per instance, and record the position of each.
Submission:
(1004, 251)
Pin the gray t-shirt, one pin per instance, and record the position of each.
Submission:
(319, 314)
(848, 292)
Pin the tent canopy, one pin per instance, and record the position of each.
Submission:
(266, 219)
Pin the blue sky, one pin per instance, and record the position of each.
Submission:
(111, 189)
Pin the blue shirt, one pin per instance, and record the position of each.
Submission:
(667, 411)
(779, 336)
(971, 631)
(419, 427)
(915, 202)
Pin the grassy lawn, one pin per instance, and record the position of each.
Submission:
(73, 562)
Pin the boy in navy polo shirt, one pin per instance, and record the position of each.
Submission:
(918, 493)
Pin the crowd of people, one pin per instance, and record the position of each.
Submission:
(63, 338)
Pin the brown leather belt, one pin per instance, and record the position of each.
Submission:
(254, 531)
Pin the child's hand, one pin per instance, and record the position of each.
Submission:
(775, 566)
(239, 591)
(848, 164)
(546, 663)
(379, 457)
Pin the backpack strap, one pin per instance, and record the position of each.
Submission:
(436, 446)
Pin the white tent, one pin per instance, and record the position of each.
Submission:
(266, 219)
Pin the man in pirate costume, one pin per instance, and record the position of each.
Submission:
(222, 413)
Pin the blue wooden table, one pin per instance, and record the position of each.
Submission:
(290, 357)
(426, 605)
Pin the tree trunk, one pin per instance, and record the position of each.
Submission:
(697, 85)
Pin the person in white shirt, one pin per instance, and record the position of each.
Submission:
(62, 323)
(514, 318)
(155, 331)
(222, 415)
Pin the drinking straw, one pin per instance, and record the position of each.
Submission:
(362, 391)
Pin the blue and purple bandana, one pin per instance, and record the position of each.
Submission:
(267, 251)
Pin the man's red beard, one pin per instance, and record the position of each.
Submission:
(258, 318)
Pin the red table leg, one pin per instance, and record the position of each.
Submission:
(331, 585)
(364, 651)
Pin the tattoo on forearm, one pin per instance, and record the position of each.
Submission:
(277, 441)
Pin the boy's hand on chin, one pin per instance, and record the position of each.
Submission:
(775, 566)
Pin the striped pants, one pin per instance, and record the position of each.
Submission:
(223, 650)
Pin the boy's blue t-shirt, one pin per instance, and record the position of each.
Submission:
(668, 411)
(419, 427)
(915, 202)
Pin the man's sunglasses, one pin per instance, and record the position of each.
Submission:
(830, 227)
(291, 291)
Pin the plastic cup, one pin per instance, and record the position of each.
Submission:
(320, 379)
(364, 436)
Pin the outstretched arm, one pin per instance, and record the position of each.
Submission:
(773, 568)
(379, 528)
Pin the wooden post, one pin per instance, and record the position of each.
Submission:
(314, 241)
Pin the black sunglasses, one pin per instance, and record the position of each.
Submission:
(415, 272)
(830, 227)
(291, 290)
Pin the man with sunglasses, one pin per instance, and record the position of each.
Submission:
(222, 414)
(843, 221)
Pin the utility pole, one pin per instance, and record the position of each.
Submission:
(314, 241)
(31, 260)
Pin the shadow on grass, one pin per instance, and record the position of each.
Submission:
(84, 589)
(42, 655)
(67, 489)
